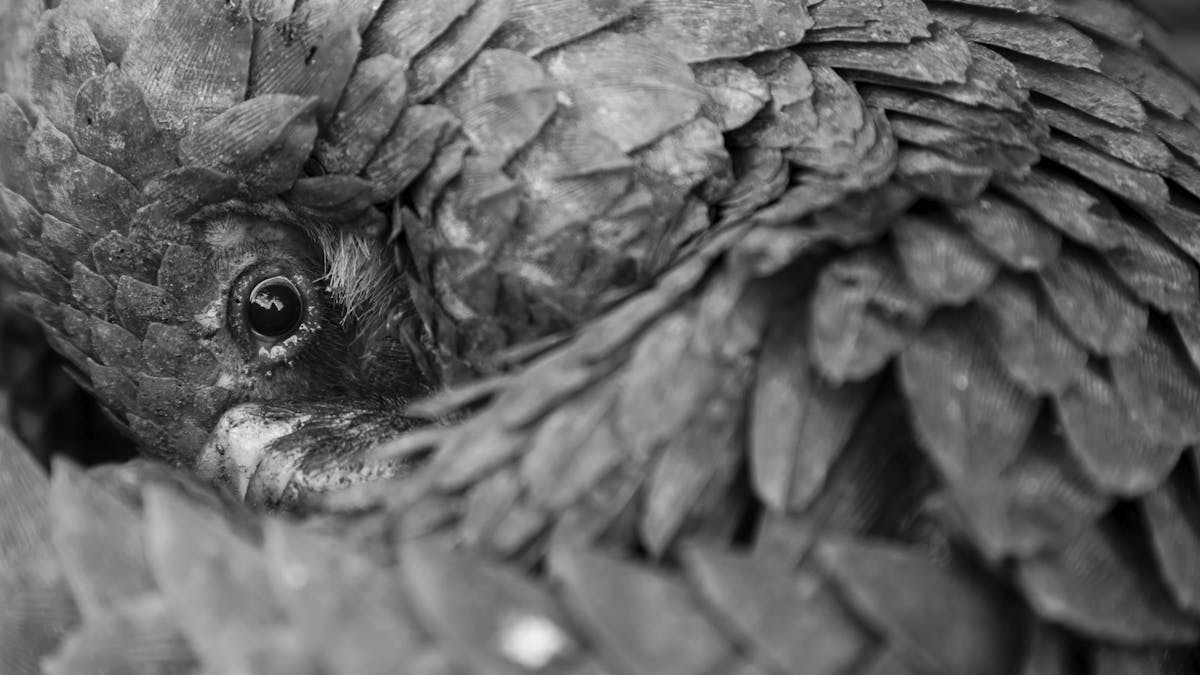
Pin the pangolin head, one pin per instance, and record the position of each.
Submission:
(257, 230)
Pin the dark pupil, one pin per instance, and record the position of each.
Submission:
(276, 308)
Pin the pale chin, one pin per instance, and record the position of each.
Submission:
(237, 448)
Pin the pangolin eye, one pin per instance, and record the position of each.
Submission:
(275, 308)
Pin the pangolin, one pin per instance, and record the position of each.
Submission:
(607, 336)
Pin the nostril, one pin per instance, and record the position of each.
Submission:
(241, 440)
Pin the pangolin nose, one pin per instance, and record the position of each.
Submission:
(241, 442)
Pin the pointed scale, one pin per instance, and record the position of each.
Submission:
(1188, 327)
(491, 617)
(958, 145)
(24, 502)
(1094, 306)
(1157, 272)
(1113, 449)
(488, 502)
(942, 265)
(1044, 498)
(696, 32)
(792, 620)
(17, 35)
(65, 55)
(369, 107)
(863, 312)
(942, 58)
(856, 21)
(880, 484)
(572, 174)
(688, 488)
(114, 26)
(571, 450)
(453, 49)
(38, 611)
(354, 612)
(736, 93)
(700, 456)
(939, 618)
(1107, 18)
(408, 149)
(972, 419)
(1170, 512)
(215, 583)
(628, 88)
(1006, 127)
(1032, 346)
(139, 637)
(76, 189)
(1084, 90)
(99, 542)
(939, 177)
(1178, 224)
(404, 29)
(537, 26)
(1161, 389)
(656, 373)
(1154, 83)
(799, 422)
(1081, 215)
(1138, 186)
(1039, 37)
(294, 56)
(639, 620)
(790, 88)
(1139, 148)
(15, 130)
(191, 79)
(38, 608)
(261, 142)
(1098, 585)
(990, 82)
(838, 135)
(113, 126)
(503, 99)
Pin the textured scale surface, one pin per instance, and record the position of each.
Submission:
(846, 337)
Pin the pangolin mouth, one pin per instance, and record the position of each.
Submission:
(288, 457)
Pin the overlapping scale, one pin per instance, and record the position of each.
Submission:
(1032, 346)
(895, 167)
(972, 419)
(888, 586)
(65, 55)
(1134, 608)
(190, 80)
(113, 126)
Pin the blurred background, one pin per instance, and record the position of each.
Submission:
(1182, 17)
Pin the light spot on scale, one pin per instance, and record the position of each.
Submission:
(532, 641)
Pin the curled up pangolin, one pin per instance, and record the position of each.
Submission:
(606, 336)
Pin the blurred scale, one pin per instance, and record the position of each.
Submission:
(1183, 18)
(43, 404)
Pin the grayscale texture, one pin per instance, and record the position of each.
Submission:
(639, 336)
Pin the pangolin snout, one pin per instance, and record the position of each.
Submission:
(241, 442)
(287, 455)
